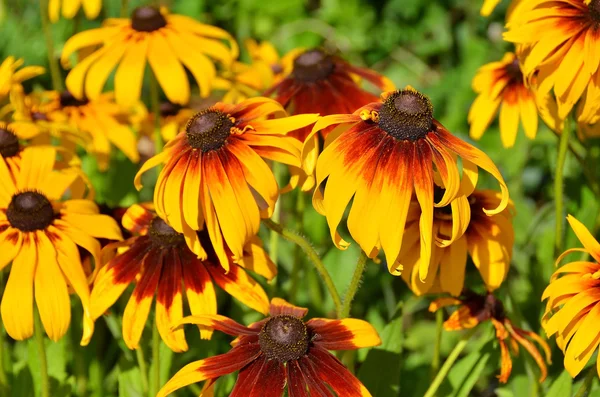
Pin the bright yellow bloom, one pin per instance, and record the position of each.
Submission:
(40, 234)
(11, 78)
(488, 7)
(69, 8)
(168, 42)
(267, 53)
(241, 81)
(573, 306)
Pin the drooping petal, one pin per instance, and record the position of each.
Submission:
(199, 290)
(169, 303)
(241, 286)
(333, 372)
(585, 237)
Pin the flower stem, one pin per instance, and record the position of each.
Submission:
(439, 326)
(139, 354)
(559, 185)
(296, 269)
(39, 338)
(274, 236)
(155, 106)
(124, 8)
(586, 386)
(354, 283)
(53, 62)
(155, 376)
(312, 256)
(441, 375)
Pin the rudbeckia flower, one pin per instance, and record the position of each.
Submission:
(214, 172)
(173, 118)
(559, 36)
(379, 155)
(266, 53)
(168, 42)
(40, 234)
(11, 78)
(317, 82)
(10, 147)
(281, 352)
(573, 306)
(460, 229)
(101, 121)
(161, 264)
(501, 85)
(69, 8)
(241, 81)
(474, 309)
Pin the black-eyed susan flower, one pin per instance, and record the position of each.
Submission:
(460, 229)
(159, 261)
(501, 85)
(40, 234)
(573, 306)
(12, 75)
(215, 176)
(69, 8)
(381, 154)
(281, 352)
(241, 81)
(317, 82)
(266, 53)
(173, 118)
(101, 121)
(474, 309)
(169, 43)
(558, 35)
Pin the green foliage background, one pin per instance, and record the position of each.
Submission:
(435, 46)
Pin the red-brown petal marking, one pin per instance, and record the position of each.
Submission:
(147, 19)
(406, 115)
(9, 143)
(127, 265)
(30, 211)
(594, 8)
(262, 378)
(312, 66)
(280, 307)
(297, 385)
(152, 269)
(310, 370)
(284, 338)
(208, 130)
(333, 372)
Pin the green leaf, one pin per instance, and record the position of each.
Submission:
(562, 386)
(130, 379)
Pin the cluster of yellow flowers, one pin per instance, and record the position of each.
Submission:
(409, 185)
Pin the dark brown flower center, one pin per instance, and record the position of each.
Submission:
(29, 211)
(168, 109)
(9, 143)
(284, 338)
(594, 8)
(514, 71)
(147, 19)
(68, 99)
(39, 116)
(406, 115)
(312, 66)
(208, 130)
(164, 235)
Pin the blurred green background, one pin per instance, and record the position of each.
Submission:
(435, 46)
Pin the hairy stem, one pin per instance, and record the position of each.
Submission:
(354, 283)
(155, 376)
(139, 354)
(586, 386)
(39, 339)
(559, 186)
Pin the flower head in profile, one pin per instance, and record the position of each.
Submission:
(215, 175)
(500, 85)
(160, 263)
(12, 75)
(460, 229)
(559, 36)
(69, 8)
(169, 43)
(474, 309)
(573, 303)
(40, 233)
(318, 82)
(380, 155)
(279, 352)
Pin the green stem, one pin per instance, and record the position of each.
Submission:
(312, 256)
(297, 268)
(274, 236)
(586, 386)
(139, 354)
(155, 376)
(354, 283)
(559, 185)
(39, 338)
(439, 326)
(441, 375)
(3, 377)
(155, 106)
(53, 62)
(124, 8)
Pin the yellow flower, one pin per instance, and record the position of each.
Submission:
(242, 81)
(168, 42)
(91, 8)
(267, 53)
(11, 78)
(573, 306)
(488, 7)
(460, 229)
(173, 118)
(40, 234)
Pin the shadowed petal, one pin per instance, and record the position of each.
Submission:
(333, 372)
(280, 307)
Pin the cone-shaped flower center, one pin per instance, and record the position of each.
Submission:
(164, 235)
(406, 115)
(9, 143)
(29, 211)
(284, 338)
(208, 130)
(312, 65)
(147, 19)
(169, 109)
(67, 99)
(594, 8)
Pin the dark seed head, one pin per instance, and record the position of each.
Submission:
(208, 130)
(594, 8)
(164, 235)
(169, 109)
(9, 143)
(313, 65)
(39, 116)
(514, 71)
(67, 99)
(29, 211)
(406, 115)
(147, 19)
(284, 338)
